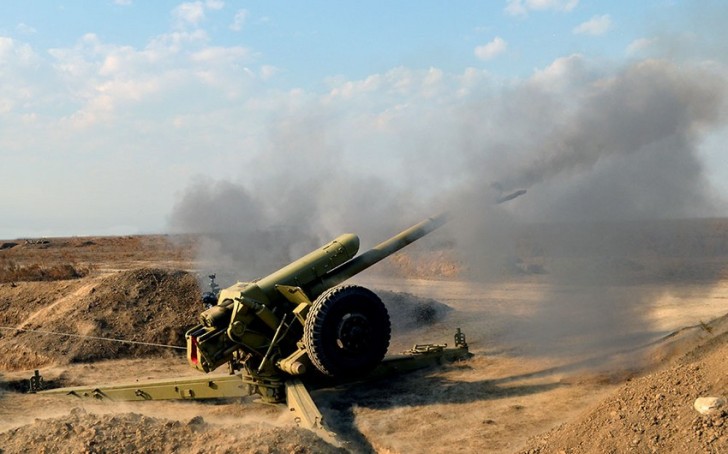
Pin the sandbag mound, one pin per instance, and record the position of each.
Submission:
(132, 433)
(147, 306)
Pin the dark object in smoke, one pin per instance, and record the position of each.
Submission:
(407, 311)
(425, 314)
(209, 299)
(511, 196)
(521, 266)
(505, 198)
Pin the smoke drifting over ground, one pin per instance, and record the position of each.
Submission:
(592, 144)
(596, 146)
(630, 148)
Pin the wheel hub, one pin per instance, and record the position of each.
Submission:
(353, 332)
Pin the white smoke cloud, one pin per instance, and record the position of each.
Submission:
(590, 142)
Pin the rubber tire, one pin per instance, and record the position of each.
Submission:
(343, 310)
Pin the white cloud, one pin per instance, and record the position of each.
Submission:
(562, 74)
(21, 68)
(25, 29)
(267, 72)
(215, 4)
(216, 54)
(191, 13)
(522, 7)
(492, 49)
(640, 45)
(13, 52)
(597, 25)
(176, 41)
(239, 20)
(105, 82)
(6, 46)
(123, 2)
(99, 104)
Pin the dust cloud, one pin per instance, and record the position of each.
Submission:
(599, 148)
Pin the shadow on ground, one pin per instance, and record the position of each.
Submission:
(416, 389)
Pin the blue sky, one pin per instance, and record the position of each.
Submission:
(310, 41)
(111, 110)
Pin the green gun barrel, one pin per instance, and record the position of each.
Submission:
(377, 253)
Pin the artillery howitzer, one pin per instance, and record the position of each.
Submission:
(293, 329)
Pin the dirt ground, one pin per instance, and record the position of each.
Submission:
(563, 362)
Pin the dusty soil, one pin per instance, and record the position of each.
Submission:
(565, 361)
(134, 433)
(654, 412)
(146, 305)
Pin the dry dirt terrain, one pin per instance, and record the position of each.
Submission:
(578, 350)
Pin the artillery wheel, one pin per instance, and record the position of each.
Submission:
(347, 331)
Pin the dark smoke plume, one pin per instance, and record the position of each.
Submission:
(600, 152)
(636, 136)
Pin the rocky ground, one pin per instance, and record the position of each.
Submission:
(135, 433)
(655, 412)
